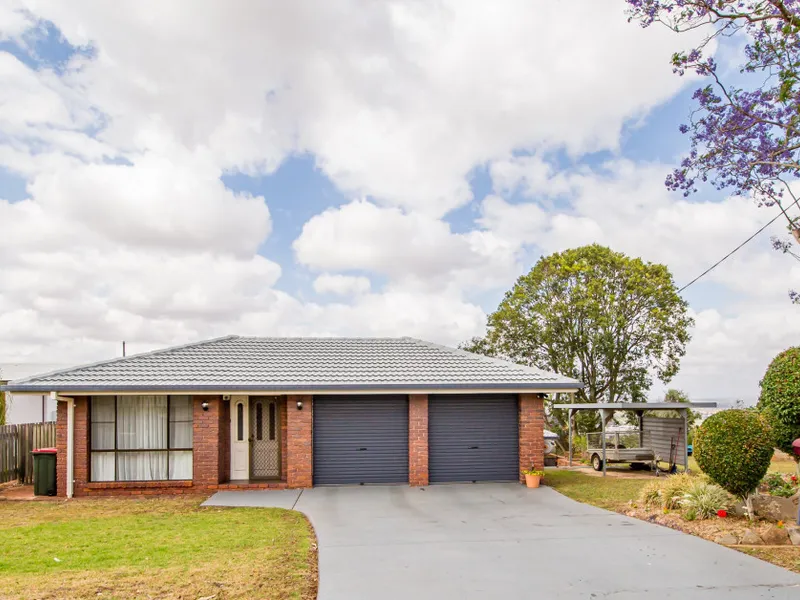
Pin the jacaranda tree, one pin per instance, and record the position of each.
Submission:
(745, 131)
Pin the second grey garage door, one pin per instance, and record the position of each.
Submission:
(360, 439)
(473, 438)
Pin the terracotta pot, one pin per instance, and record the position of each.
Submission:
(532, 481)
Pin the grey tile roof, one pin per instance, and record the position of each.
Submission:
(298, 364)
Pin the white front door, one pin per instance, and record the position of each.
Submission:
(240, 433)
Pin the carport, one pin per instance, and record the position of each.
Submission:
(653, 433)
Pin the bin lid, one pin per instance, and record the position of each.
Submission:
(45, 451)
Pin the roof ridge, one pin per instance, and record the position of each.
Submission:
(125, 358)
(316, 337)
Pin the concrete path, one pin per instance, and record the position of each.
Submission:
(505, 541)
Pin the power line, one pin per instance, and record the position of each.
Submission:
(731, 253)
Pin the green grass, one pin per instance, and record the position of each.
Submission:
(779, 464)
(165, 548)
(611, 493)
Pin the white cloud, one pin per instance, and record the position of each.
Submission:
(13, 20)
(410, 247)
(396, 100)
(342, 285)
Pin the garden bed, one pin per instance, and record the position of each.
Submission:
(622, 495)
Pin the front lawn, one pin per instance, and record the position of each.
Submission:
(611, 493)
(153, 548)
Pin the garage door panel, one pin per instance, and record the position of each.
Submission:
(360, 439)
(473, 438)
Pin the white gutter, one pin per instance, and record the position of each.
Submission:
(70, 440)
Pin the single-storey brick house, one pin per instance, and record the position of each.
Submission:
(245, 412)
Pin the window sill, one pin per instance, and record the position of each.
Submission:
(114, 485)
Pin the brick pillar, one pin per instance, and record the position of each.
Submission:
(81, 444)
(299, 465)
(206, 443)
(81, 438)
(531, 432)
(61, 445)
(418, 439)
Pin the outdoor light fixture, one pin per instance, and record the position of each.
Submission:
(299, 405)
(205, 405)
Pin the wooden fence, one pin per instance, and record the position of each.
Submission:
(16, 444)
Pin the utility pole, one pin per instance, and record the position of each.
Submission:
(123, 347)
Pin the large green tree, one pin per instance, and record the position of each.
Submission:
(780, 398)
(599, 316)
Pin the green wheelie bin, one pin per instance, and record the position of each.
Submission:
(44, 472)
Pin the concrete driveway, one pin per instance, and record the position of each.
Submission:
(505, 541)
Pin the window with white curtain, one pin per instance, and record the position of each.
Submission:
(141, 438)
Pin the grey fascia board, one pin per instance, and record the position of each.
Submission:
(545, 385)
(634, 406)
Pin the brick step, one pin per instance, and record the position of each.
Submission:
(252, 485)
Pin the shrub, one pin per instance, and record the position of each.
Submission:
(734, 448)
(702, 500)
(780, 484)
(780, 397)
(673, 489)
(651, 494)
(666, 493)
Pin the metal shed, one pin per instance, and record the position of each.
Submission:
(657, 427)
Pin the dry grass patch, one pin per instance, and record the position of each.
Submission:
(153, 548)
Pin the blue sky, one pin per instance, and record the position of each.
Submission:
(281, 171)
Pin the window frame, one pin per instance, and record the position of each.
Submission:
(116, 449)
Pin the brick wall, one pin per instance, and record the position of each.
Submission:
(206, 432)
(299, 465)
(531, 432)
(212, 446)
(61, 445)
(224, 442)
(418, 439)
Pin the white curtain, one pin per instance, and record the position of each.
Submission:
(141, 425)
(141, 466)
(180, 464)
(103, 423)
(180, 422)
(103, 466)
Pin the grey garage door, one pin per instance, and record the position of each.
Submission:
(360, 439)
(473, 438)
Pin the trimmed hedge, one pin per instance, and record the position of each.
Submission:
(734, 448)
(780, 398)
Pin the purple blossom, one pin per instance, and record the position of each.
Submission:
(746, 140)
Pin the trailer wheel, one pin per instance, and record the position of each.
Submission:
(597, 464)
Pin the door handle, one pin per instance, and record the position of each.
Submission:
(360, 449)
(472, 448)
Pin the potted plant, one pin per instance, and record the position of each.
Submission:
(533, 477)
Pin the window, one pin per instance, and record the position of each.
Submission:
(141, 438)
(240, 422)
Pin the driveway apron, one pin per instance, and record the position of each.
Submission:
(506, 541)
